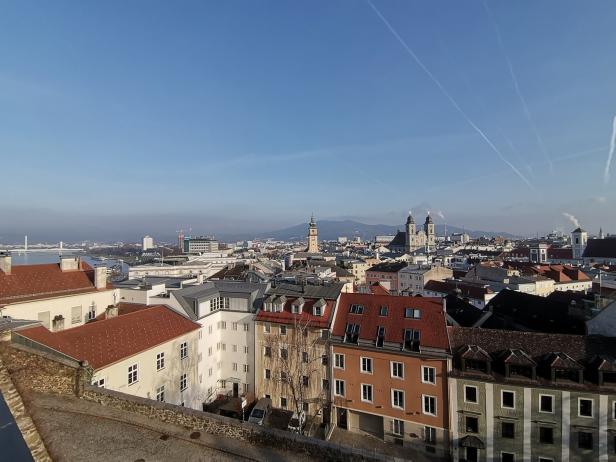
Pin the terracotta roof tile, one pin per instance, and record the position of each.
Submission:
(107, 341)
(431, 324)
(30, 282)
(286, 316)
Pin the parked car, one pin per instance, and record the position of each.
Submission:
(297, 422)
(260, 411)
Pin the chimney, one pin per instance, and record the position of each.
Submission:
(445, 304)
(100, 277)
(69, 263)
(111, 312)
(5, 262)
(200, 278)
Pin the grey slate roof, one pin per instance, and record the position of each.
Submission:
(600, 248)
(329, 291)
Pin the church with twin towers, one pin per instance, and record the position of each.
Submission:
(413, 239)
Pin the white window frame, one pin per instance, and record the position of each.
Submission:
(476, 394)
(423, 405)
(397, 427)
(502, 393)
(100, 382)
(160, 391)
(183, 350)
(336, 382)
(423, 368)
(368, 361)
(391, 370)
(428, 429)
(283, 329)
(133, 369)
(286, 402)
(539, 403)
(368, 387)
(160, 361)
(265, 371)
(336, 362)
(393, 393)
(267, 328)
(592, 408)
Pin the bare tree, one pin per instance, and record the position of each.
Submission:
(295, 356)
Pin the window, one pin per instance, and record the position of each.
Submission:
(339, 361)
(160, 361)
(397, 370)
(305, 407)
(304, 357)
(472, 424)
(585, 440)
(99, 383)
(317, 310)
(546, 403)
(380, 336)
(219, 303)
(283, 330)
(507, 429)
(397, 427)
(295, 309)
(209, 329)
(412, 313)
(91, 311)
(383, 311)
(428, 374)
(508, 399)
(411, 340)
(351, 333)
(397, 399)
(245, 327)
(234, 348)
(356, 309)
(305, 381)
(133, 374)
(183, 382)
(546, 435)
(283, 376)
(325, 384)
(268, 374)
(339, 387)
(209, 372)
(366, 392)
(324, 360)
(366, 365)
(429, 435)
(507, 457)
(470, 394)
(183, 350)
(245, 350)
(267, 328)
(585, 407)
(429, 405)
(268, 352)
(284, 354)
(234, 366)
(224, 346)
(160, 394)
(245, 367)
(234, 326)
(283, 402)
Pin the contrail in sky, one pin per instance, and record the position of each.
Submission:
(606, 174)
(448, 95)
(531, 122)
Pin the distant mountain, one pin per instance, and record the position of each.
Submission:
(331, 229)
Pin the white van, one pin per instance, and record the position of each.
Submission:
(260, 411)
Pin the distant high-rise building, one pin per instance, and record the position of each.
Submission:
(313, 243)
(148, 243)
(200, 244)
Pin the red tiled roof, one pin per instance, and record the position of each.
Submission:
(287, 317)
(107, 341)
(30, 282)
(123, 308)
(431, 324)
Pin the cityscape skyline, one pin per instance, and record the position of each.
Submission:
(256, 101)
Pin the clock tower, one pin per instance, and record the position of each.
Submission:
(313, 243)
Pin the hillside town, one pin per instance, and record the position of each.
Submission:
(416, 345)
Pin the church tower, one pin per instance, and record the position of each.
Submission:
(430, 234)
(313, 243)
(411, 230)
(579, 238)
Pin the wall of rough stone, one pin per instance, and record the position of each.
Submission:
(219, 425)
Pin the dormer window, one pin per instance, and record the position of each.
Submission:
(413, 313)
(297, 306)
(380, 336)
(476, 365)
(411, 340)
(356, 309)
(318, 307)
(475, 359)
(351, 333)
(565, 369)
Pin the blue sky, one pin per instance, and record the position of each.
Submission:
(221, 115)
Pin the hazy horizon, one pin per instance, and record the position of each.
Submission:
(149, 117)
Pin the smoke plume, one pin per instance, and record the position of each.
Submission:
(572, 219)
